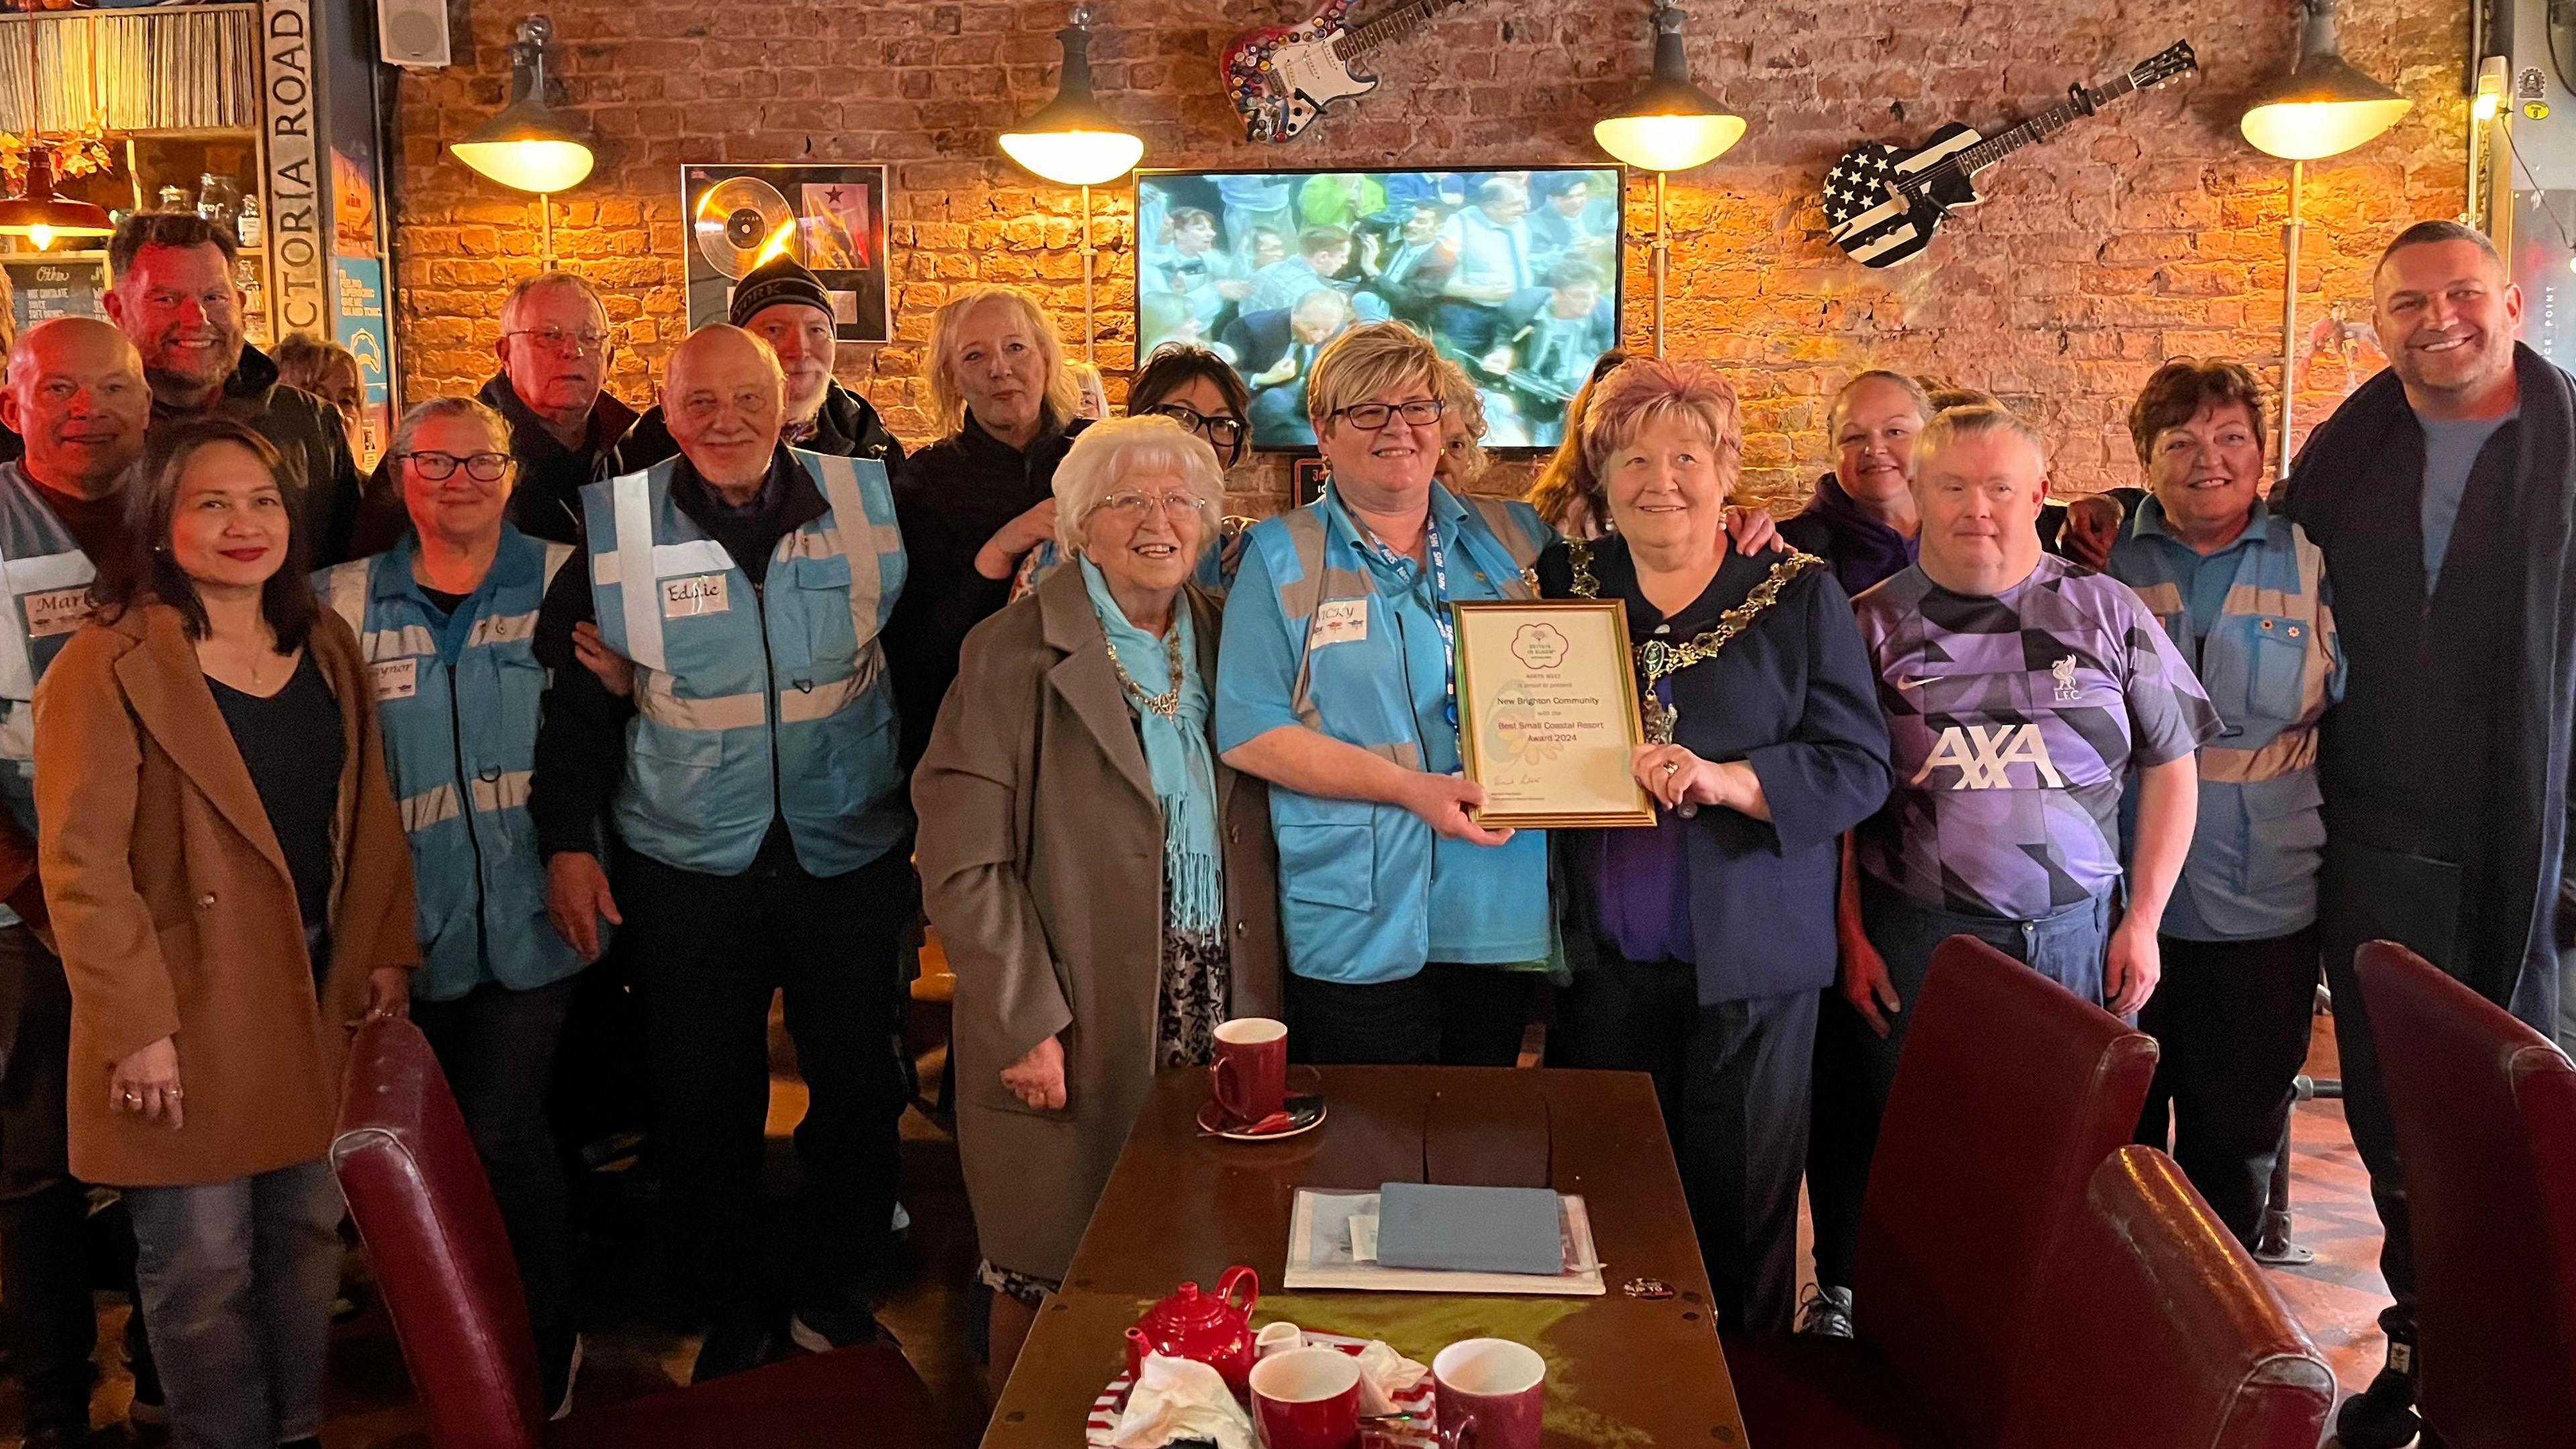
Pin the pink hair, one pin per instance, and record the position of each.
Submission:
(1643, 390)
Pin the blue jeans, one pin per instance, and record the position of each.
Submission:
(2066, 947)
(237, 1281)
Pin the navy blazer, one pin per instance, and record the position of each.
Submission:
(1793, 696)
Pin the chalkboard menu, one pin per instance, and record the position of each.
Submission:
(43, 288)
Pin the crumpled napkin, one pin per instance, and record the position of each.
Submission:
(1180, 1398)
(1384, 1373)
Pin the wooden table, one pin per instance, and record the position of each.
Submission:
(1622, 1371)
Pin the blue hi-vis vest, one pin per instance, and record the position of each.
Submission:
(458, 697)
(48, 580)
(754, 702)
(1365, 888)
(2272, 665)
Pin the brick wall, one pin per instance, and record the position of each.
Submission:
(2149, 232)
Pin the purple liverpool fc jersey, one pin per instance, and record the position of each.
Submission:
(2013, 720)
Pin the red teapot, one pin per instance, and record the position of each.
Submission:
(1209, 1327)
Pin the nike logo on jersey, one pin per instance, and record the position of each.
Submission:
(1983, 756)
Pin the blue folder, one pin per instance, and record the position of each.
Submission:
(1469, 1229)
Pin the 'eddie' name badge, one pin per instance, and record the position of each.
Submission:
(57, 611)
(395, 678)
(697, 594)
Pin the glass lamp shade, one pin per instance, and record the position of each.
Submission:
(1668, 142)
(527, 148)
(1087, 157)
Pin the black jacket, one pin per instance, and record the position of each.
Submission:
(2445, 767)
(950, 498)
(847, 427)
(316, 446)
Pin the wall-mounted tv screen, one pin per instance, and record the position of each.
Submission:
(1514, 274)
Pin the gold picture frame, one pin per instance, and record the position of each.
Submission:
(1548, 713)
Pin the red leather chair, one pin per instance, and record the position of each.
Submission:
(2497, 1356)
(2009, 1094)
(420, 1200)
(2149, 1284)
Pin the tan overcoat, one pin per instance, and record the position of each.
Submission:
(175, 914)
(1041, 856)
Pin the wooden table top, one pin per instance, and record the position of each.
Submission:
(1622, 1371)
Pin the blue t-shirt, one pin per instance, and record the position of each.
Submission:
(2450, 451)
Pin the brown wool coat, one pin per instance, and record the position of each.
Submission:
(175, 915)
(1041, 857)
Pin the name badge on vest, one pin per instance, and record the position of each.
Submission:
(57, 611)
(697, 594)
(1341, 621)
(395, 678)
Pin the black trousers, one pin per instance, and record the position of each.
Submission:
(1733, 1082)
(1843, 1131)
(712, 950)
(47, 1247)
(2230, 1019)
(1446, 1014)
(497, 1047)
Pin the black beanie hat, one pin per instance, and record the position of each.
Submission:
(780, 279)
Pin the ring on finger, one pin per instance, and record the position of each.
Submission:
(1672, 767)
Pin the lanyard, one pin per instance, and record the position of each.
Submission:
(1439, 603)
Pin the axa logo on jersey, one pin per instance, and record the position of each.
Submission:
(1983, 756)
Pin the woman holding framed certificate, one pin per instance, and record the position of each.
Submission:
(1710, 935)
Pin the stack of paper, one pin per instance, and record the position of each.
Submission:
(1335, 1238)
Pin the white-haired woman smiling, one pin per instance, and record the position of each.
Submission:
(1102, 883)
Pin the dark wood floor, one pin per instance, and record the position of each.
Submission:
(926, 1304)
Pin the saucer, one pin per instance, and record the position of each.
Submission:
(1304, 1114)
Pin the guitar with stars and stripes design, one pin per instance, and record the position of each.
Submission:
(1885, 203)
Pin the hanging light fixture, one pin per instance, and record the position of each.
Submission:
(528, 145)
(40, 216)
(1073, 141)
(2323, 107)
(1668, 125)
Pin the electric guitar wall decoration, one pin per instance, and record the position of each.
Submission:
(1282, 78)
(1884, 203)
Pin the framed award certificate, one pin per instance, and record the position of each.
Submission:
(1547, 713)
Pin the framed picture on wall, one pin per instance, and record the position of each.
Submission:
(1513, 274)
(831, 218)
(1306, 478)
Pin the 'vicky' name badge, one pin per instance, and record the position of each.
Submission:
(57, 611)
(1341, 621)
(697, 594)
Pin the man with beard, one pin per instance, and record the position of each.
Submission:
(175, 298)
(785, 305)
(2447, 482)
(77, 395)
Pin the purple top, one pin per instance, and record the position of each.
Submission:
(2012, 721)
(1641, 880)
(1863, 551)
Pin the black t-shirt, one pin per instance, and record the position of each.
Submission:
(291, 742)
(443, 601)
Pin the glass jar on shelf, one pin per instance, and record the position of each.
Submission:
(218, 198)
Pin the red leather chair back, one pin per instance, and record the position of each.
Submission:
(2497, 1367)
(2544, 1087)
(451, 1286)
(2009, 1093)
(2149, 1285)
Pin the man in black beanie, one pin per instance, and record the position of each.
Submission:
(786, 305)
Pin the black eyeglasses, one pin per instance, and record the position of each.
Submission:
(481, 467)
(1222, 433)
(1368, 417)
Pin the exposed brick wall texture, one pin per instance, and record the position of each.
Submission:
(2149, 232)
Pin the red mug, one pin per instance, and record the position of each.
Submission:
(1250, 1075)
(1491, 1393)
(1307, 1398)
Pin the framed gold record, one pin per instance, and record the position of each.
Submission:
(828, 217)
(736, 219)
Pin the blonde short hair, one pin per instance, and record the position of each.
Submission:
(1975, 420)
(423, 414)
(1366, 360)
(948, 400)
(1113, 450)
(1645, 390)
(1463, 409)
